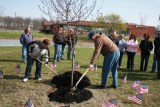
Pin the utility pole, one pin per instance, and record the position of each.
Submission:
(15, 21)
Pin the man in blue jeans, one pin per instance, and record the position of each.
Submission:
(111, 54)
(58, 39)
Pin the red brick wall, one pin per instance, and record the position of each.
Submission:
(141, 30)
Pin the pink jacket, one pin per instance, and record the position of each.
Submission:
(132, 45)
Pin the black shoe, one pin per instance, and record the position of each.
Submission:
(112, 86)
(58, 60)
(156, 78)
(100, 87)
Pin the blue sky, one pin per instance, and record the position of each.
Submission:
(129, 10)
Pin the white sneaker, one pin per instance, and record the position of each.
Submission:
(39, 79)
(25, 79)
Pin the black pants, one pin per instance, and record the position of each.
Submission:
(144, 62)
(130, 60)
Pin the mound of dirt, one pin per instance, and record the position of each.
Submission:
(64, 80)
(64, 94)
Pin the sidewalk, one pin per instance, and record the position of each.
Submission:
(15, 42)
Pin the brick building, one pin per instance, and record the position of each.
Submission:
(138, 30)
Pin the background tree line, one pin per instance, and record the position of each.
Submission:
(20, 23)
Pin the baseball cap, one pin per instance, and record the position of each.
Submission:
(91, 34)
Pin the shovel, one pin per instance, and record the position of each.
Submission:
(75, 87)
(48, 67)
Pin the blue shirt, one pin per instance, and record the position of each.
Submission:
(122, 45)
(26, 38)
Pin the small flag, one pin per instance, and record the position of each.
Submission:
(29, 103)
(1, 74)
(142, 89)
(17, 69)
(53, 66)
(110, 103)
(137, 99)
(135, 84)
(125, 79)
(76, 65)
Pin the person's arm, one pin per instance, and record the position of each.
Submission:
(150, 46)
(47, 55)
(140, 45)
(21, 39)
(98, 47)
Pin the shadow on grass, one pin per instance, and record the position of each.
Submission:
(12, 77)
(9, 60)
(135, 74)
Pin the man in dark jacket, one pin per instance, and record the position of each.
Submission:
(58, 40)
(157, 53)
(35, 51)
(146, 46)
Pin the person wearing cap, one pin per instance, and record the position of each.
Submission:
(36, 50)
(25, 38)
(111, 54)
(121, 46)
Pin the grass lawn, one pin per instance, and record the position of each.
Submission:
(15, 93)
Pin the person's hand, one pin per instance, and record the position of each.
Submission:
(46, 65)
(91, 67)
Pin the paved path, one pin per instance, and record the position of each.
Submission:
(15, 42)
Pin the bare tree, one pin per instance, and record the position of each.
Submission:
(27, 21)
(68, 11)
(142, 19)
(36, 23)
(19, 22)
(8, 22)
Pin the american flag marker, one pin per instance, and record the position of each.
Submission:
(136, 99)
(17, 69)
(29, 103)
(110, 103)
(1, 77)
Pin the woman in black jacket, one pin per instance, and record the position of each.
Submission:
(146, 47)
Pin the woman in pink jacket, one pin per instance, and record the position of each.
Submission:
(132, 46)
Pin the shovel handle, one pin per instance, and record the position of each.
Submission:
(82, 77)
(48, 67)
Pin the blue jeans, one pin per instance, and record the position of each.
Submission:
(154, 64)
(57, 52)
(30, 62)
(110, 63)
(130, 60)
(158, 68)
(69, 53)
(24, 53)
(62, 52)
(120, 58)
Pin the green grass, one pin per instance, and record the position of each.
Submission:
(16, 34)
(14, 92)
